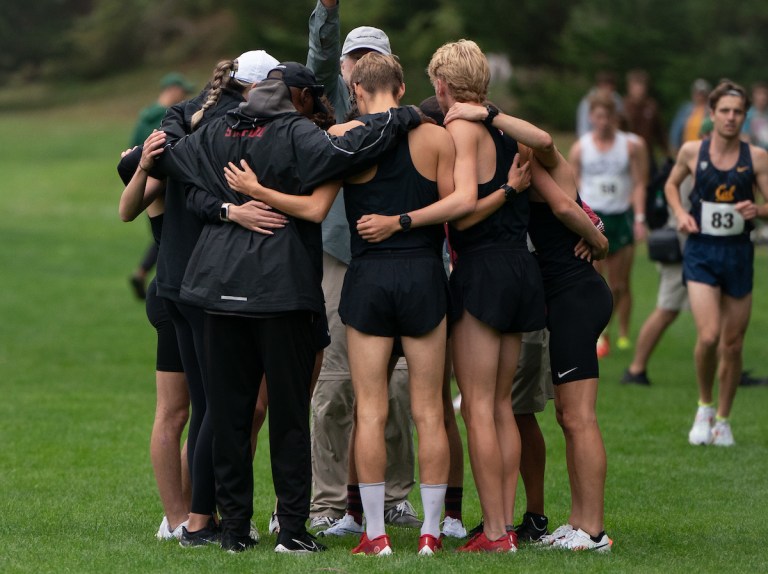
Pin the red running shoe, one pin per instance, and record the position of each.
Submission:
(428, 545)
(379, 546)
(603, 346)
(480, 543)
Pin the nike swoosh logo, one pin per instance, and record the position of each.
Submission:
(308, 547)
(742, 168)
(561, 375)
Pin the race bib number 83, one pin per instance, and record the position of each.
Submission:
(720, 219)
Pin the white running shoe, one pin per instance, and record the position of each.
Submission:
(721, 434)
(559, 533)
(701, 431)
(454, 528)
(274, 525)
(320, 523)
(343, 527)
(165, 532)
(580, 540)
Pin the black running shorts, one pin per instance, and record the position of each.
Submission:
(394, 294)
(500, 287)
(576, 315)
(168, 355)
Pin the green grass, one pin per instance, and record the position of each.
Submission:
(76, 376)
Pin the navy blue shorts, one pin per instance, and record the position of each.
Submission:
(394, 294)
(500, 287)
(725, 264)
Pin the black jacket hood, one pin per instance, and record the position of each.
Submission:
(268, 100)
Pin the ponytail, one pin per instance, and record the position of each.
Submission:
(221, 74)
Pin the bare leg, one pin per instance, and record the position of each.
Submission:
(171, 414)
(735, 319)
(575, 404)
(426, 362)
(455, 446)
(648, 337)
(705, 306)
(476, 353)
(619, 266)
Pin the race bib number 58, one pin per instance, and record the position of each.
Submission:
(720, 219)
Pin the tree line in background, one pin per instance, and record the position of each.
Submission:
(555, 47)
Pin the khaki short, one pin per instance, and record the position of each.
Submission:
(532, 387)
(673, 296)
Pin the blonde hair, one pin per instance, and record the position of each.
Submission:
(464, 68)
(221, 79)
(378, 73)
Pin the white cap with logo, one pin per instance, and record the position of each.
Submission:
(253, 66)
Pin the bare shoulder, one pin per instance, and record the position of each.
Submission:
(432, 136)
(759, 158)
(341, 129)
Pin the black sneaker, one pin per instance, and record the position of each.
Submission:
(233, 543)
(533, 527)
(211, 534)
(637, 379)
(477, 529)
(301, 543)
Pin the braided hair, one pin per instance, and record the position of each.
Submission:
(222, 78)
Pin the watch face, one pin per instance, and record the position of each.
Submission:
(405, 221)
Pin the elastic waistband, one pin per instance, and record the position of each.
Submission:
(398, 253)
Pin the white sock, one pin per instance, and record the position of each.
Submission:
(372, 495)
(432, 499)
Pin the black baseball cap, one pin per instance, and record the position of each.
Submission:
(295, 75)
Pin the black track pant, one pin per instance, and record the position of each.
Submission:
(189, 322)
(240, 351)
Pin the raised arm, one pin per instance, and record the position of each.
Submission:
(142, 190)
(312, 207)
(324, 54)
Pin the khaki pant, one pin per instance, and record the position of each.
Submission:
(332, 408)
(532, 386)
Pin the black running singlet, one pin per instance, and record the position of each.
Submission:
(396, 188)
(554, 244)
(507, 226)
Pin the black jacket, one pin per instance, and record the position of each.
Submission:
(234, 270)
(182, 227)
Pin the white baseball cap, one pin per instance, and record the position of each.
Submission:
(366, 38)
(253, 66)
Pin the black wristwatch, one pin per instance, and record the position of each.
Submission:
(405, 222)
(224, 211)
(493, 111)
(509, 191)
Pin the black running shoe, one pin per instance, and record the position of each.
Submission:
(211, 534)
(533, 527)
(301, 543)
(477, 529)
(635, 379)
(234, 543)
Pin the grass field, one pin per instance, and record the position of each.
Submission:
(76, 370)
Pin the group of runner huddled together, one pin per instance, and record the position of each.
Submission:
(257, 304)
